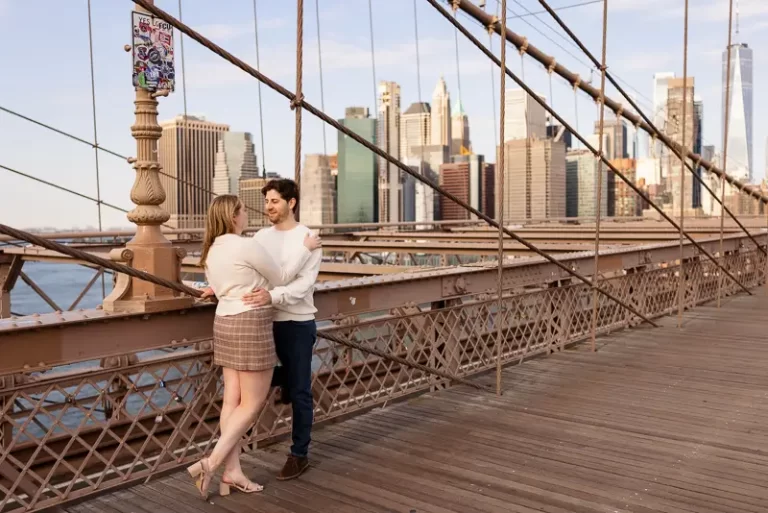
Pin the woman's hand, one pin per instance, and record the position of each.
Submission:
(208, 293)
(312, 242)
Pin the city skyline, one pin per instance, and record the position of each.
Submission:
(226, 95)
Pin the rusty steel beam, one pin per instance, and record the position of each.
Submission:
(491, 23)
(44, 341)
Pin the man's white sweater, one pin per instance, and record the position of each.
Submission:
(294, 301)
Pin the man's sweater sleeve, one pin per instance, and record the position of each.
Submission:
(302, 286)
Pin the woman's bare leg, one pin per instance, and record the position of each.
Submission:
(231, 400)
(254, 387)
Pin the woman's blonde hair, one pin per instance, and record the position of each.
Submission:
(220, 220)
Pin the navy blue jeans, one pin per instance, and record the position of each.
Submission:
(294, 342)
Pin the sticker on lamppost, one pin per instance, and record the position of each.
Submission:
(153, 67)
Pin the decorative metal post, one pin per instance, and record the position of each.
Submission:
(149, 250)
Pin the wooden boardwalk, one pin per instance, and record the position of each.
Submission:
(663, 420)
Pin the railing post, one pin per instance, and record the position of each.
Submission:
(150, 250)
(10, 268)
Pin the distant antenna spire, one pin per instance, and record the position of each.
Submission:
(737, 21)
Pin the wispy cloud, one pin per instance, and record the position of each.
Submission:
(338, 57)
(635, 5)
(231, 31)
(717, 10)
(646, 61)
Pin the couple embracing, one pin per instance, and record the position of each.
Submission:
(265, 312)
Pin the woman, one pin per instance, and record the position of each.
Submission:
(242, 337)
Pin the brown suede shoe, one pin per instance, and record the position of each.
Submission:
(293, 468)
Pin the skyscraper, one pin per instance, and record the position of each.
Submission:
(187, 152)
(534, 183)
(235, 161)
(659, 117)
(317, 191)
(739, 163)
(675, 124)
(698, 120)
(459, 129)
(388, 139)
(415, 127)
(524, 117)
(357, 195)
(441, 115)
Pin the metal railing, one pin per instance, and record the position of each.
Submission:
(96, 415)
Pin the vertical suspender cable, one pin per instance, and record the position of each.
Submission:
(422, 128)
(185, 155)
(681, 273)
(373, 54)
(320, 64)
(95, 132)
(500, 317)
(599, 172)
(296, 103)
(261, 111)
(725, 146)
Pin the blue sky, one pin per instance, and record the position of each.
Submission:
(48, 78)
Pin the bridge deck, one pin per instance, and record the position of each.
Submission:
(657, 420)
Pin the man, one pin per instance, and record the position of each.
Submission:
(294, 327)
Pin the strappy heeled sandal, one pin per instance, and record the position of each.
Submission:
(202, 472)
(250, 487)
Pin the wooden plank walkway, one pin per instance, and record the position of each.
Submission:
(658, 420)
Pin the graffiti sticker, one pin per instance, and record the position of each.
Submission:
(153, 67)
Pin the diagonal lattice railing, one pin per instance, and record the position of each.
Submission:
(83, 429)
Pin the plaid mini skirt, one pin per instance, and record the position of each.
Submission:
(245, 342)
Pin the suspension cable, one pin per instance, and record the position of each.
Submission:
(93, 103)
(261, 111)
(599, 172)
(681, 274)
(184, 289)
(605, 161)
(502, 164)
(115, 154)
(725, 140)
(299, 94)
(653, 130)
(480, 16)
(422, 128)
(95, 134)
(61, 188)
(320, 64)
(378, 151)
(373, 55)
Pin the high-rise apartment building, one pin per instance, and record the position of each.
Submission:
(524, 117)
(187, 152)
(739, 164)
(627, 202)
(659, 117)
(459, 130)
(357, 195)
(249, 190)
(235, 161)
(467, 177)
(676, 91)
(440, 132)
(318, 191)
(388, 139)
(581, 178)
(698, 127)
(559, 132)
(616, 133)
(534, 180)
(415, 127)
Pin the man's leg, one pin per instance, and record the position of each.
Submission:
(295, 343)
